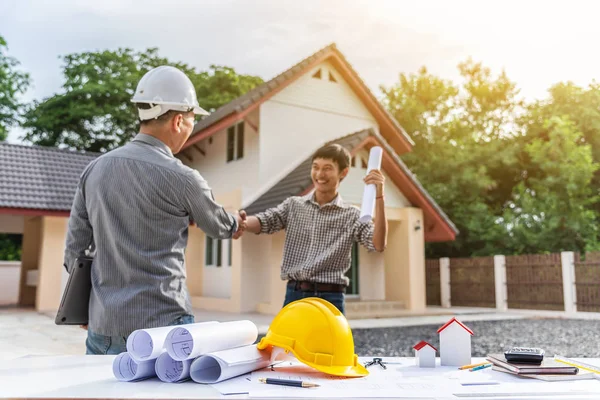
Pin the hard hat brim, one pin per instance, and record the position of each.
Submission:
(200, 111)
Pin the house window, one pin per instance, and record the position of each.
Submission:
(358, 162)
(235, 142)
(317, 74)
(213, 252)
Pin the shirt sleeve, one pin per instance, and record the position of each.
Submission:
(362, 233)
(204, 211)
(276, 218)
(79, 234)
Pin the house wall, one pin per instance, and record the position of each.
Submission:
(405, 260)
(51, 275)
(223, 176)
(302, 117)
(256, 274)
(352, 187)
(32, 244)
(11, 223)
(10, 272)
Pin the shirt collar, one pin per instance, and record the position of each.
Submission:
(337, 201)
(151, 140)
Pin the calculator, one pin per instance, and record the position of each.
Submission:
(525, 355)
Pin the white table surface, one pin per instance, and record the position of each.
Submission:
(91, 377)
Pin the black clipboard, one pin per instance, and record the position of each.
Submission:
(75, 301)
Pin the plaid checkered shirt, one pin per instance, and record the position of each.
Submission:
(318, 241)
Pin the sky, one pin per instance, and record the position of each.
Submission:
(538, 43)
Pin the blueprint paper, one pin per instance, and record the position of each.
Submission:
(191, 341)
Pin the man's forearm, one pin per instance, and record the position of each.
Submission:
(253, 225)
(381, 226)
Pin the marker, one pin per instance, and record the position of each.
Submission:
(473, 365)
(285, 382)
(480, 367)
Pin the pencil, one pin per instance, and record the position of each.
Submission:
(285, 382)
(473, 365)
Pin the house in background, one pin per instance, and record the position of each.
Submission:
(254, 152)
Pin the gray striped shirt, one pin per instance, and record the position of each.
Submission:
(133, 207)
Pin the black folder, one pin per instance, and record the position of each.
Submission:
(75, 301)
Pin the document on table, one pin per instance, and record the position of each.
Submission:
(384, 383)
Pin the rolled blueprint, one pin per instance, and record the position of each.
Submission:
(222, 365)
(169, 370)
(368, 202)
(146, 344)
(190, 341)
(126, 369)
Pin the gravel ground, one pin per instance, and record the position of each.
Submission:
(567, 337)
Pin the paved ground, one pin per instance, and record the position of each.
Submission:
(26, 332)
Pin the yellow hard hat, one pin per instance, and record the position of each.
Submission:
(318, 334)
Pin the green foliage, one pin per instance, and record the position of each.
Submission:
(515, 178)
(12, 84)
(10, 247)
(94, 112)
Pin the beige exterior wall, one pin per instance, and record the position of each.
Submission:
(405, 260)
(10, 272)
(223, 176)
(51, 256)
(208, 301)
(32, 244)
(11, 223)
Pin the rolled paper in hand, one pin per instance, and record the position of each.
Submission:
(368, 202)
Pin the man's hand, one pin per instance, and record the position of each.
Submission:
(376, 178)
(242, 225)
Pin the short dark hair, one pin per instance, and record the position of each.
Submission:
(334, 152)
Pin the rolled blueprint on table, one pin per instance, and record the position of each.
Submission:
(126, 369)
(368, 202)
(222, 365)
(169, 370)
(146, 344)
(190, 341)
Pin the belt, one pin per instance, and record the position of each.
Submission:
(317, 287)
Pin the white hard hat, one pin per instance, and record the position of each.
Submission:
(166, 88)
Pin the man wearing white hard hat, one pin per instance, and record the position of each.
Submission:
(133, 207)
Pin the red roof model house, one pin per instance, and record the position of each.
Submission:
(424, 355)
(455, 343)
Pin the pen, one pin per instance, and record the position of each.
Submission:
(286, 382)
(480, 367)
(473, 365)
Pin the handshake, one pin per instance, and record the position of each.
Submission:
(242, 224)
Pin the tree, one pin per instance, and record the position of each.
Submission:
(463, 152)
(12, 84)
(10, 247)
(94, 112)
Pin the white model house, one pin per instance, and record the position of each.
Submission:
(424, 355)
(455, 343)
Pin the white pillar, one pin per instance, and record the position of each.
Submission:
(567, 259)
(445, 281)
(500, 283)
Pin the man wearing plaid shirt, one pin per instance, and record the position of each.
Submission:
(321, 228)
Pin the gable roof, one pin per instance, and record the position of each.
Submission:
(453, 320)
(235, 110)
(422, 344)
(438, 227)
(39, 178)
